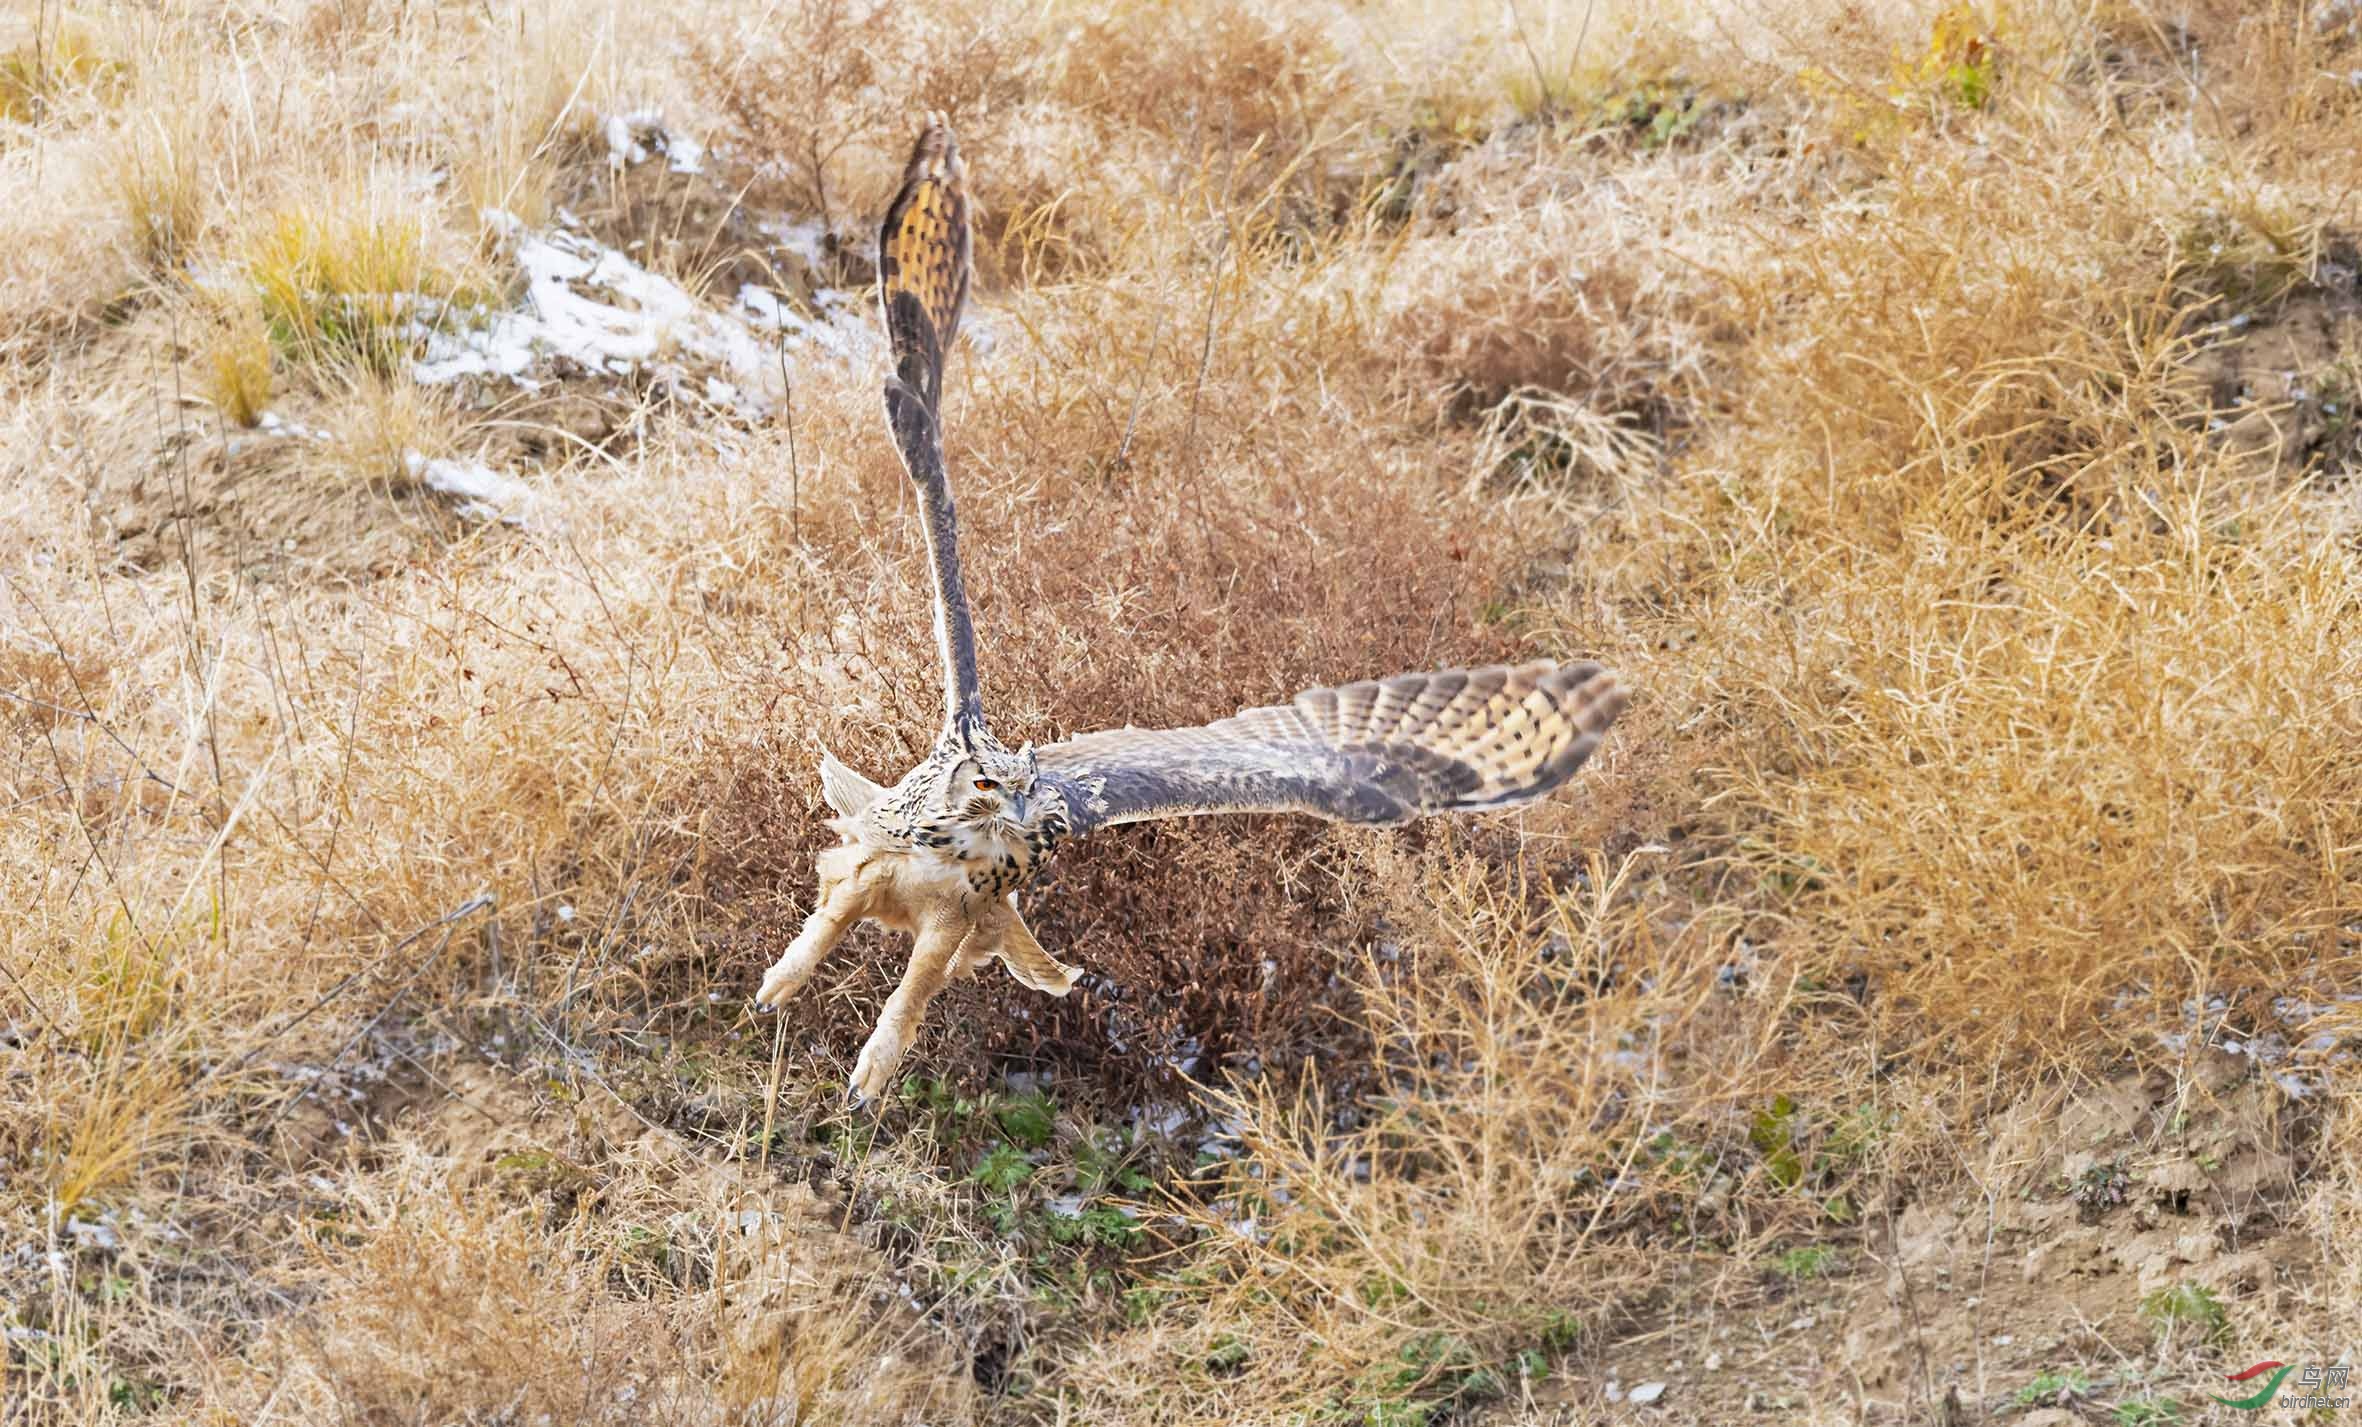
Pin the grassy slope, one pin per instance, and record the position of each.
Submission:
(1995, 703)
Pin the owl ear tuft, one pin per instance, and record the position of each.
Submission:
(846, 791)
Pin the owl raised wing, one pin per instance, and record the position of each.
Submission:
(923, 269)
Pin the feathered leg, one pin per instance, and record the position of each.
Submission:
(937, 947)
(1001, 934)
(1027, 960)
(842, 894)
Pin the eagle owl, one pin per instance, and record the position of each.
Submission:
(943, 851)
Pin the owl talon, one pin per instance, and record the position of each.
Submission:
(875, 1068)
(785, 979)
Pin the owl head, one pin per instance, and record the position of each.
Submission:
(988, 783)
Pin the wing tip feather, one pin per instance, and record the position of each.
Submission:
(1580, 699)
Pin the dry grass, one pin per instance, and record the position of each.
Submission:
(1480, 1216)
(235, 370)
(58, 63)
(341, 283)
(1854, 383)
(160, 189)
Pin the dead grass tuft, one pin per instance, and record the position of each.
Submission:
(236, 370)
(161, 188)
(389, 425)
(2017, 497)
(59, 61)
(443, 1310)
(351, 282)
(438, 1302)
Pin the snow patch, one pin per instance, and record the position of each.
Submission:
(838, 329)
(484, 493)
(270, 423)
(806, 241)
(588, 304)
(633, 136)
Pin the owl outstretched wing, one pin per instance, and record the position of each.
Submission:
(1381, 751)
(923, 269)
(924, 261)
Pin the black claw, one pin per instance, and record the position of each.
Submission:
(854, 1099)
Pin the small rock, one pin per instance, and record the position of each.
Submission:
(1647, 1393)
(1714, 1362)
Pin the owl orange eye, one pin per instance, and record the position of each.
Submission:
(985, 785)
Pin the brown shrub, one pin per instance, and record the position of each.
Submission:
(1552, 1086)
(828, 89)
(2020, 739)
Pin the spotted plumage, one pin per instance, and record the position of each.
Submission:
(943, 851)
